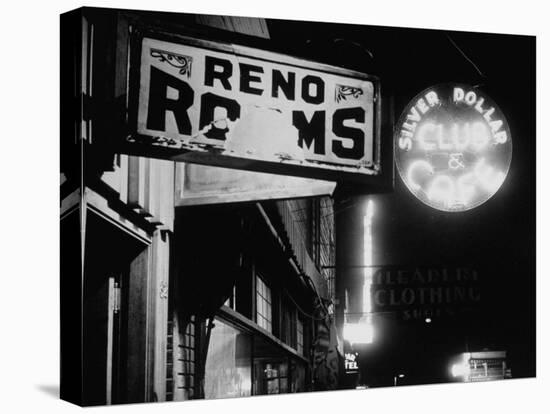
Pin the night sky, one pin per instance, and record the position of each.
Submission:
(497, 238)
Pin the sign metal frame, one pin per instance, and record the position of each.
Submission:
(145, 145)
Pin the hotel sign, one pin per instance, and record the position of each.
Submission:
(351, 365)
(453, 147)
(238, 107)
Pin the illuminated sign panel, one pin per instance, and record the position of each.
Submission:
(481, 366)
(453, 147)
(233, 106)
(350, 362)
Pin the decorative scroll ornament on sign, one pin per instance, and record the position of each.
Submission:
(453, 147)
(345, 92)
(183, 63)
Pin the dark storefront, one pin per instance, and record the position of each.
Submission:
(256, 307)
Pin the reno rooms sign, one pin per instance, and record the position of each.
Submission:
(232, 106)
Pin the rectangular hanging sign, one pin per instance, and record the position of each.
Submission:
(233, 106)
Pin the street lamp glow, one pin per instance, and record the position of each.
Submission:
(396, 377)
(461, 369)
(359, 333)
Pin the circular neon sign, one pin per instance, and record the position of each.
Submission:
(453, 147)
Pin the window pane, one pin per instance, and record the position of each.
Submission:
(273, 386)
(263, 304)
(298, 377)
(283, 371)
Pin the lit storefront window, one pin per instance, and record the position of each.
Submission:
(276, 377)
(263, 304)
(228, 363)
(275, 371)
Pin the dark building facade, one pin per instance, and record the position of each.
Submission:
(178, 302)
(249, 307)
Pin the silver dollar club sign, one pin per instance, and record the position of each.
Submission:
(453, 147)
